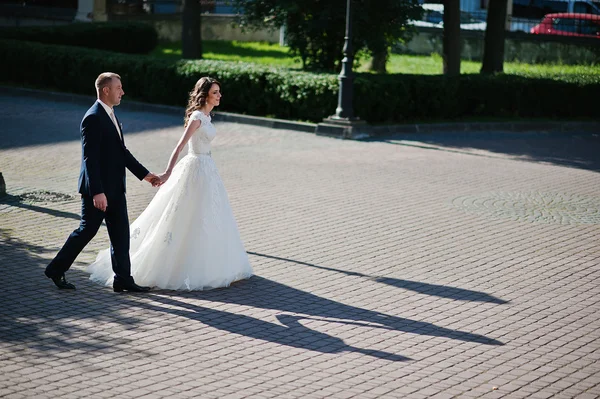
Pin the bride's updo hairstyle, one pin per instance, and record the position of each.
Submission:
(198, 96)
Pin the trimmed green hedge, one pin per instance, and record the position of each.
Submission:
(260, 90)
(121, 37)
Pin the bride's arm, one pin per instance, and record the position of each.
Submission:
(189, 130)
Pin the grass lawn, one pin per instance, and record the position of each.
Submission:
(275, 55)
(257, 52)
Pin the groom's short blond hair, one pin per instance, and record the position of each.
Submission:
(104, 79)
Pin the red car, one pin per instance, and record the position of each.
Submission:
(569, 24)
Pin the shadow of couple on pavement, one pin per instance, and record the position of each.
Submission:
(298, 305)
(39, 316)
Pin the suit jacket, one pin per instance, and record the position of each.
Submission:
(104, 156)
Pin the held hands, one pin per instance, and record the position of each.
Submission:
(153, 179)
(164, 177)
(100, 202)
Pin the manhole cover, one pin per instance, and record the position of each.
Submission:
(554, 208)
(43, 197)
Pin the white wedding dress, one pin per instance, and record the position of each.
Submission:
(187, 237)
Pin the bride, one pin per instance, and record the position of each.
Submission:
(187, 237)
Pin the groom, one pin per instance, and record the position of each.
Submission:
(102, 188)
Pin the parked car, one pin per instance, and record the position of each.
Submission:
(569, 24)
(524, 14)
(539, 8)
(433, 17)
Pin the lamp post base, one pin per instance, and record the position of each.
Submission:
(343, 128)
(2, 186)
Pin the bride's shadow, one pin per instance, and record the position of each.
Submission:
(442, 291)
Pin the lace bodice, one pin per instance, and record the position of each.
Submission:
(200, 141)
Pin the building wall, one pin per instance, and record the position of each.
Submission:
(213, 27)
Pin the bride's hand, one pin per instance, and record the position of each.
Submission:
(163, 177)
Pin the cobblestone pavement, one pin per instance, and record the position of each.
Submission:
(423, 266)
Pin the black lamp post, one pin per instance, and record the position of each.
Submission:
(344, 124)
(346, 78)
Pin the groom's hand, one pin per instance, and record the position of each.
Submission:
(100, 202)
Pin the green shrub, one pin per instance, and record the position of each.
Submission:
(121, 37)
(400, 98)
(261, 90)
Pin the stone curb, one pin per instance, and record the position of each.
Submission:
(540, 127)
(370, 131)
(266, 122)
(169, 109)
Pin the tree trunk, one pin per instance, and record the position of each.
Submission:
(451, 37)
(379, 61)
(191, 41)
(493, 47)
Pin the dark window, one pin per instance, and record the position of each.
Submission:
(555, 6)
(537, 9)
(588, 27)
(585, 8)
(433, 16)
(466, 18)
(582, 8)
(565, 25)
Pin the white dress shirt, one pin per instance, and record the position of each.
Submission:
(111, 113)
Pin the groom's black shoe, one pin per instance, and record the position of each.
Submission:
(131, 287)
(62, 283)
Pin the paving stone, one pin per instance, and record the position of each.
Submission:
(423, 265)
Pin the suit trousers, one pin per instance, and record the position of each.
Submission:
(117, 223)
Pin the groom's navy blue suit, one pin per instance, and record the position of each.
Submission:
(103, 162)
